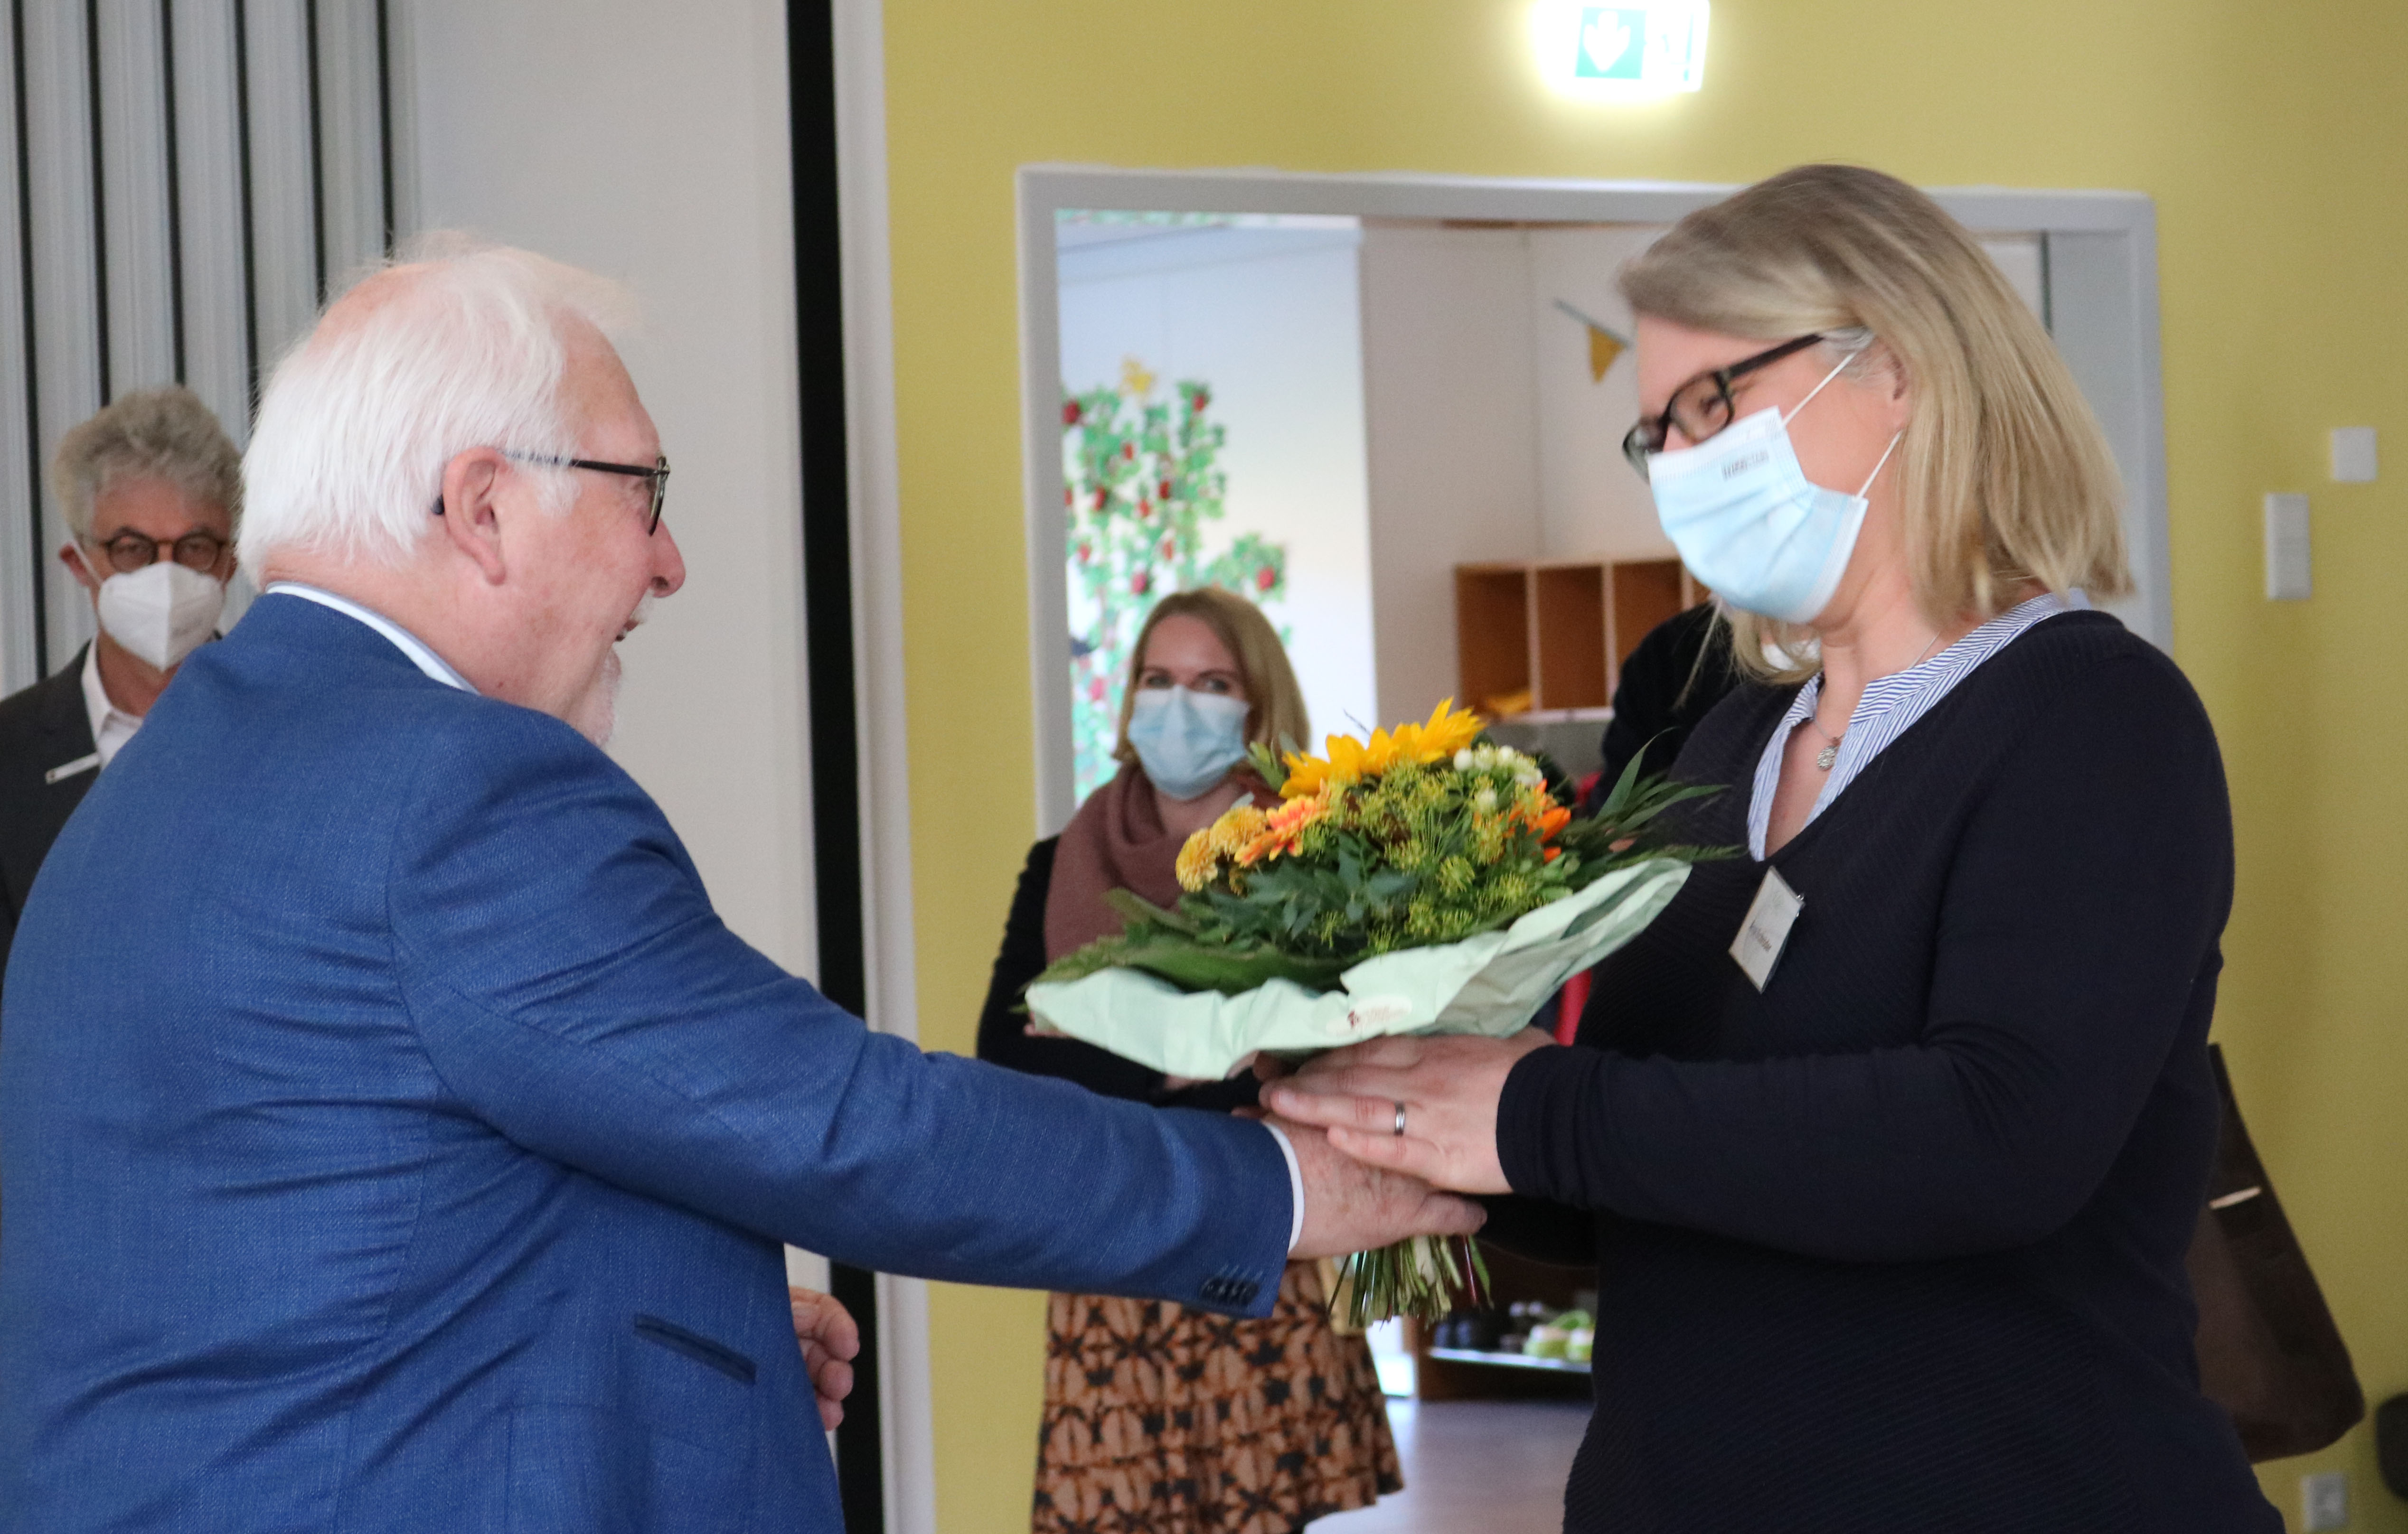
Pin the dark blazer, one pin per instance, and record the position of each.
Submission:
(1669, 685)
(41, 729)
(424, 1167)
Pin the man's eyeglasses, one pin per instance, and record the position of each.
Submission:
(1701, 406)
(658, 474)
(129, 552)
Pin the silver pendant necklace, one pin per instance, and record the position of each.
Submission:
(1831, 752)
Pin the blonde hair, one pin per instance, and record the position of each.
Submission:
(149, 433)
(1275, 714)
(2005, 476)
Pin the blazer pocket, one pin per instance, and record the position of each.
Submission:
(701, 1349)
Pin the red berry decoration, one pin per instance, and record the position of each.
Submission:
(1265, 578)
(1069, 413)
(1163, 494)
(1141, 582)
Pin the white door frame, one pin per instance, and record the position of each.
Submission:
(906, 1430)
(2100, 257)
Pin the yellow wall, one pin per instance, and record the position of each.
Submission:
(2271, 136)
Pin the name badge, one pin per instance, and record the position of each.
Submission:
(1766, 931)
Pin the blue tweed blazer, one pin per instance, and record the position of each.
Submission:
(394, 1139)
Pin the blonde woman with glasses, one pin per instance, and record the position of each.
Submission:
(1889, 1137)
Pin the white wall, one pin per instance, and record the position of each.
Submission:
(650, 143)
(1592, 504)
(1449, 401)
(1271, 319)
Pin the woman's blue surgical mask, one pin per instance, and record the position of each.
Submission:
(1748, 522)
(1187, 741)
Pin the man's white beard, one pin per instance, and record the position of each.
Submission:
(597, 714)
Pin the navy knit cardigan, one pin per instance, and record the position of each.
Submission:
(1896, 1244)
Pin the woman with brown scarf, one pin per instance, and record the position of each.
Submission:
(1161, 1420)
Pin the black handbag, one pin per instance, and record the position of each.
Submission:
(2269, 1352)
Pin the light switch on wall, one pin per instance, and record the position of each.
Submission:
(2288, 565)
(2353, 454)
(2324, 1501)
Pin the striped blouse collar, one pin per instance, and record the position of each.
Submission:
(1889, 707)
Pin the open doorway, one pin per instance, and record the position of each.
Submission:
(1389, 408)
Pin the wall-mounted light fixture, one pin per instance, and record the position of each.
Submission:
(1627, 52)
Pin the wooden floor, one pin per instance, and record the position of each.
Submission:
(1497, 1467)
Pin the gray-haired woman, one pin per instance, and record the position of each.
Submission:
(1890, 1135)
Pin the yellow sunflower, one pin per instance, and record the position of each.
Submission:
(1449, 729)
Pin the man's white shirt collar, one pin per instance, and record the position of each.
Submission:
(403, 639)
(111, 726)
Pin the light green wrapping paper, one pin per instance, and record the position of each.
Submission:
(1491, 983)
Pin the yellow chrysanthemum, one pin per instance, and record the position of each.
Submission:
(1448, 730)
(1240, 823)
(1201, 855)
(1198, 861)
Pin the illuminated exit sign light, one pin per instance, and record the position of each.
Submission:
(1622, 52)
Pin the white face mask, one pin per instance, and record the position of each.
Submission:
(161, 611)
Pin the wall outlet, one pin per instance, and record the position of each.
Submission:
(2287, 562)
(2324, 1501)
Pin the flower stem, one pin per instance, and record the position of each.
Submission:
(1423, 1277)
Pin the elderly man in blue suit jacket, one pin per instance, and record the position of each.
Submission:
(424, 1165)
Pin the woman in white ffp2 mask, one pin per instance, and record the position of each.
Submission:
(1278, 1420)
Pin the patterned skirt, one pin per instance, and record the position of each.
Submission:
(1162, 1420)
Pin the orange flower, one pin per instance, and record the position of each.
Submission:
(1281, 830)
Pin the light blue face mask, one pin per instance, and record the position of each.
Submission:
(1750, 524)
(1186, 740)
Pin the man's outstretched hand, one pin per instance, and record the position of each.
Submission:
(1350, 1206)
(830, 1341)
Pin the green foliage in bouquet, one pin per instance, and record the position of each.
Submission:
(1430, 836)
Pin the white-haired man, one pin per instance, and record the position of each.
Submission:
(151, 492)
(424, 1165)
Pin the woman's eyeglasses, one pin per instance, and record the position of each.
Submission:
(1701, 406)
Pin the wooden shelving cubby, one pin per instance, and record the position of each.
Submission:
(1551, 635)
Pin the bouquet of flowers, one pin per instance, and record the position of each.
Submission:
(1423, 882)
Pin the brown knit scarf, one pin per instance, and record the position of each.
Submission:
(1116, 841)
